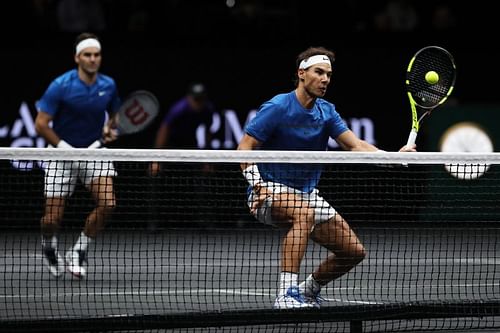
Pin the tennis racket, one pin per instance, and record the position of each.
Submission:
(430, 79)
(138, 110)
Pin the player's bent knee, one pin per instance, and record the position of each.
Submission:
(305, 217)
(357, 255)
(107, 205)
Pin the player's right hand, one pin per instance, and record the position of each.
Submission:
(261, 193)
(109, 133)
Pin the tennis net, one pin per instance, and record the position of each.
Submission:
(180, 250)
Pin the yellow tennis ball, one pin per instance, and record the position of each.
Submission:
(431, 77)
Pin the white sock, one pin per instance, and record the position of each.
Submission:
(82, 243)
(49, 242)
(311, 286)
(287, 279)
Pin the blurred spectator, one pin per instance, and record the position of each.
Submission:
(398, 15)
(81, 15)
(443, 18)
(178, 128)
(178, 131)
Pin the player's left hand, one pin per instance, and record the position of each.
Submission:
(261, 194)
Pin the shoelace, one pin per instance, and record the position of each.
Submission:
(294, 292)
(319, 299)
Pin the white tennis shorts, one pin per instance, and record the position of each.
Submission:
(323, 211)
(61, 176)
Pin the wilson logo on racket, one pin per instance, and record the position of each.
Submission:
(135, 113)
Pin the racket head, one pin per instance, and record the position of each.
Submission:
(429, 95)
(137, 111)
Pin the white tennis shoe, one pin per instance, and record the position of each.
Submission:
(75, 261)
(310, 297)
(292, 299)
(53, 261)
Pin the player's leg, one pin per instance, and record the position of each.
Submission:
(289, 209)
(348, 251)
(59, 184)
(337, 236)
(98, 178)
(104, 196)
(49, 223)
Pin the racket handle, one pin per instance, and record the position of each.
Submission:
(95, 145)
(412, 138)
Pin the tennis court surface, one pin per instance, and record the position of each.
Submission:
(182, 253)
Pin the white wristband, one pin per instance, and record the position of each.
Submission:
(252, 175)
(63, 144)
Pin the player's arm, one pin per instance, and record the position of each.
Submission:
(43, 129)
(349, 141)
(251, 172)
(109, 130)
(248, 142)
(162, 136)
(161, 141)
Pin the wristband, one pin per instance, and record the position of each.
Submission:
(63, 144)
(252, 175)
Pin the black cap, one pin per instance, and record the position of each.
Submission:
(197, 90)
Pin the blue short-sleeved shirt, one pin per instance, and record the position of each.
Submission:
(282, 123)
(78, 109)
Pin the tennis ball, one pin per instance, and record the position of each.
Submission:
(431, 77)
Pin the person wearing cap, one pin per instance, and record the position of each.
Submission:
(179, 126)
(179, 130)
(286, 194)
(77, 103)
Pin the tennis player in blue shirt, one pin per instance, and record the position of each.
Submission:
(76, 103)
(287, 194)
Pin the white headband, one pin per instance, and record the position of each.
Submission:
(314, 60)
(89, 42)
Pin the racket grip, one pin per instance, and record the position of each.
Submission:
(95, 145)
(412, 138)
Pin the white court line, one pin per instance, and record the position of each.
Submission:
(353, 302)
(204, 292)
(435, 286)
(168, 292)
(194, 292)
(373, 261)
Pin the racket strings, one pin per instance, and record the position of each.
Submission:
(431, 59)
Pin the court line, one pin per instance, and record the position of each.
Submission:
(269, 262)
(204, 292)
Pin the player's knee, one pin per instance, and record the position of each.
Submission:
(50, 219)
(357, 254)
(49, 223)
(305, 217)
(108, 205)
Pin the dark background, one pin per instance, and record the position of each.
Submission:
(246, 54)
